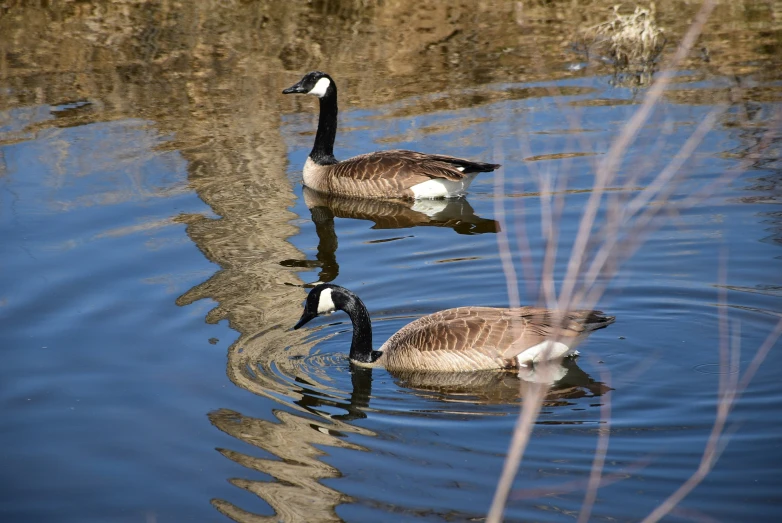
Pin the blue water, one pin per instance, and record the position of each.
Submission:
(121, 403)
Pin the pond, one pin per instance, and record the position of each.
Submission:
(158, 245)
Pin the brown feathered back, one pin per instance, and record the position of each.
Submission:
(474, 338)
(389, 174)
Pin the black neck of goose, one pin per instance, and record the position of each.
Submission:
(323, 151)
(361, 347)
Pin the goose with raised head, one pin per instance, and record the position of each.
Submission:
(460, 339)
(382, 174)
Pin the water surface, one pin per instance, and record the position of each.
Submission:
(157, 244)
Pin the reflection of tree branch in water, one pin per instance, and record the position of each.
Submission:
(456, 214)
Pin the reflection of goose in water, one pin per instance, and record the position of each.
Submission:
(460, 339)
(565, 379)
(456, 214)
(296, 442)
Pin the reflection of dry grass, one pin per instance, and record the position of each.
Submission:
(599, 250)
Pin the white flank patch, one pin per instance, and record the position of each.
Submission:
(325, 303)
(544, 351)
(429, 207)
(440, 188)
(320, 88)
(460, 169)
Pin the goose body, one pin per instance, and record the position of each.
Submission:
(460, 339)
(383, 174)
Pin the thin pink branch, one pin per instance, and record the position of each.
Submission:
(595, 474)
(530, 409)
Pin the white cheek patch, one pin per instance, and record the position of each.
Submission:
(320, 87)
(325, 303)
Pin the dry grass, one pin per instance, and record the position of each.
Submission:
(632, 43)
(600, 249)
(632, 38)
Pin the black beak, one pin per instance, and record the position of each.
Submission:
(295, 89)
(305, 318)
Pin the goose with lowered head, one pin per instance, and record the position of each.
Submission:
(382, 174)
(460, 339)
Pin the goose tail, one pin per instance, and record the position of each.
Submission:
(594, 320)
(479, 167)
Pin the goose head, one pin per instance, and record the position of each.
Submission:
(315, 83)
(327, 298)
(322, 299)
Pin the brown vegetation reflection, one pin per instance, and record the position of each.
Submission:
(207, 74)
(296, 493)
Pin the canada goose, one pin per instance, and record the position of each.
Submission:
(461, 339)
(383, 174)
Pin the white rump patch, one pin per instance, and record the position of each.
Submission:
(441, 188)
(325, 303)
(429, 207)
(544, 351)
(320, 87)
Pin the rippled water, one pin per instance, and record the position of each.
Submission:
(157, 245)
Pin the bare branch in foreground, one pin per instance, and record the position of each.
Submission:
(529, 413)
(605, 175)
(729, 393)
(613, 159)
(600, 454)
